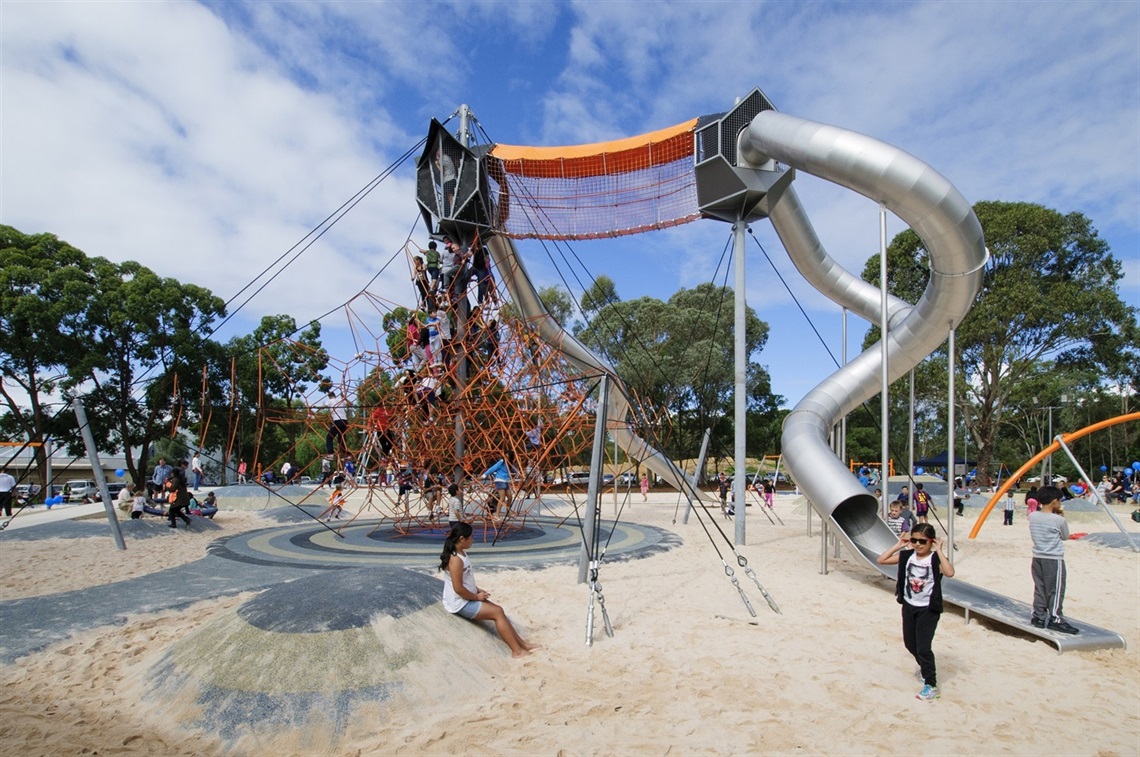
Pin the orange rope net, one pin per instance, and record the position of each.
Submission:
(599, 190)
(521, 401)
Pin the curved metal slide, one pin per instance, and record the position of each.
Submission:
(944, 220)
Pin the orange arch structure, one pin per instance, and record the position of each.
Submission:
(1054, 447)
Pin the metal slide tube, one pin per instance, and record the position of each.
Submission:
(945, 222)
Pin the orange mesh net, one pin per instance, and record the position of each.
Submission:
(592, 191)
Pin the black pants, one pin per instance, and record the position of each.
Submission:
(177, 511)
(1048, 588)
(336, 430)
(918, 626)
(1008, 518)
(6, 502)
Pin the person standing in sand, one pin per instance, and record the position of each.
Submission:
(1049, 531)
(923, 504)
(644, 487)
(178, 501)
(919, 591)
(462, 597)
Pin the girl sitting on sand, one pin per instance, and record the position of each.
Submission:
(919, 591)
(463, 598)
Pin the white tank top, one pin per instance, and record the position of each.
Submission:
(452, 602)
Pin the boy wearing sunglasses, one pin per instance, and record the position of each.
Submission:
(922, 564)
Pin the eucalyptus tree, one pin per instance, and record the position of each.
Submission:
(152, 368)
(277, 366)
(1049, 311)
(679, 355)
(45, 285)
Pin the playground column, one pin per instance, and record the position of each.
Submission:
(740, 347)
(593, 492)
(953, 469)
(97, 471)
(909, 432)
(884, 408)
(843, 422)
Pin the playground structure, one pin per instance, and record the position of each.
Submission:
(519, 400)
(744, 163)
(495, 385)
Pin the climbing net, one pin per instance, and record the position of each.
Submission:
(422, 411)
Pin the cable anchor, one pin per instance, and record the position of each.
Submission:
(768, 597)
(740, 591)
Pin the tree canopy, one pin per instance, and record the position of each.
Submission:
(136, 348)
(678, 354)
(1048, 322)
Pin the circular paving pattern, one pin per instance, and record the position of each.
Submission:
(541, 541)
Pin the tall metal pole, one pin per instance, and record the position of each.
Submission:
(1096, 495)
(843, 422)
(884, 410)
(910, 430)
(740, 479)
(458, 471)
(464, 125)
(950, 445)
(97, 472)
(593, 491)
(47, 472)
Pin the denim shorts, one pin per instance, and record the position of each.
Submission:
(470, 610)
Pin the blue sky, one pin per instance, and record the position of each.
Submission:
(205, 140)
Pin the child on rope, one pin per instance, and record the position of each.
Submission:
(500, 473)
(462, 597)
(338, 423)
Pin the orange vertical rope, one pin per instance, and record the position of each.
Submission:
(260, 421)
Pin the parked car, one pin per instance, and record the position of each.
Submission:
(77, 491)
(576, 477)
(115, 488)
(629, 478)
(608, 478)
(1058, 479)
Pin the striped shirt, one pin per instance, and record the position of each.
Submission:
(1049, 532)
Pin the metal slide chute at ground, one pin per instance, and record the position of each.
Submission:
(952, 235)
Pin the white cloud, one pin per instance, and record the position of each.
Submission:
(204, 141)
(149, 132)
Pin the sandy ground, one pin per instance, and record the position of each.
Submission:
(689, 670)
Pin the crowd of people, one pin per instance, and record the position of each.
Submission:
(167, 494)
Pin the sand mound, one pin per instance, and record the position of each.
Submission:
(290, 668)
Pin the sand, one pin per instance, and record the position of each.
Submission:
(689, 670)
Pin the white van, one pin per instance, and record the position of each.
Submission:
(77, 491)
